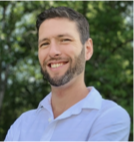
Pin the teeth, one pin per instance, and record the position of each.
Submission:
(56, 65)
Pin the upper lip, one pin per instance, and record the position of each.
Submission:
(57, 61)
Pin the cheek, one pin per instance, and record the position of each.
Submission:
(69, 50)
(69, 53)
(42, 56)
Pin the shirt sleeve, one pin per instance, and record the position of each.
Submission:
(14, 131)
(112, 125)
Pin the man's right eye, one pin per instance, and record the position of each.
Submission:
(44, 44)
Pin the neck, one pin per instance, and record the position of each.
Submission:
(66, 96)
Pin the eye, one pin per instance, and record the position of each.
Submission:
(65, 40)
(44, 44)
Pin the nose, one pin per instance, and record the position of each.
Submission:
(54, 50)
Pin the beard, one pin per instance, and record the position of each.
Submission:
(74, 70)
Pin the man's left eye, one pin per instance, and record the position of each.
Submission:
(66, 40)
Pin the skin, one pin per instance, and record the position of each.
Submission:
(59, 38)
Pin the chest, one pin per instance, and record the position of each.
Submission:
(73, 128)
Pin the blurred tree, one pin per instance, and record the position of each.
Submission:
(109, 70)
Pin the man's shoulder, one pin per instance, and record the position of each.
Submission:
(29, 113)
(26, 116)
(105, 106)
(112, 109)
(112, 122)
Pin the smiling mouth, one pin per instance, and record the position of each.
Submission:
(56, 65)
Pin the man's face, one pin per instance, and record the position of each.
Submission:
(61, 54)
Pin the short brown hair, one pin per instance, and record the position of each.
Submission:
(65, 12)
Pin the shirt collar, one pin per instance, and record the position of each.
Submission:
(46, 103)
(92, 101)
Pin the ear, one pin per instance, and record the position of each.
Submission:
(88, 49)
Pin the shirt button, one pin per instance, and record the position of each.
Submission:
(49, 119)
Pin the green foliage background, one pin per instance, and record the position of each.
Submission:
(110, 69)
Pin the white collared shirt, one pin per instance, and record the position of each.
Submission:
(91, 119)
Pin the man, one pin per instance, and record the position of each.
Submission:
(72, 111)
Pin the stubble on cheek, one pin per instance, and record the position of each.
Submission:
(76, 66)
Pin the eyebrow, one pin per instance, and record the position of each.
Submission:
(42, 40)
(62, 35)
(58, 36)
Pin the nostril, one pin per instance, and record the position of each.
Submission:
(56, 54)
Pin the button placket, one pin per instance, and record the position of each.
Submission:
(49, 130)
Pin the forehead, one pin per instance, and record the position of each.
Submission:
(58, 26)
